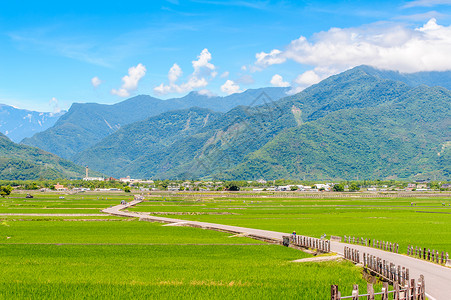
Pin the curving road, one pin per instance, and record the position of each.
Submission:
(437, 278)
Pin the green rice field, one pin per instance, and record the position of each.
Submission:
(424, 221)
(90, 256)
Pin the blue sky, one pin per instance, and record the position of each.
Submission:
(54, 53)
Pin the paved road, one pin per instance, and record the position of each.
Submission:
(437, 278)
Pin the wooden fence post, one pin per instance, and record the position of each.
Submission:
(423, 288)
(396, 289)
(355, 292)
(407, 287)
(384, 291)
(334, 292)
(370, 291)
(414, 289)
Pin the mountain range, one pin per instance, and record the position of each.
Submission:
(18, 123)
(364, 123)
(85, 124)
(21, 162)
(357, 124)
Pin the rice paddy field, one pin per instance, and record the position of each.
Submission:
(424, 221)
(54, 248)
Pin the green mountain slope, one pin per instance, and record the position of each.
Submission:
(233, 144)
(404, 138)
(85, 124)
(136, 147)
(28, 163)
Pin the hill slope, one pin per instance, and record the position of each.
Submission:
(408, 137)
(343, 127)
(21, 162)
(18, 124)
(86, 124)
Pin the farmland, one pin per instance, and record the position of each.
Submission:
(100, 257)
(91, 256)
(424, 220)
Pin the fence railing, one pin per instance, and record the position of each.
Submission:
(404, 288)
(352, 255)
(429, 255)
(307, 242)
(411, 291)
(383, 245)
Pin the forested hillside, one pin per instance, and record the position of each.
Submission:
(21, 162)
(352, 125)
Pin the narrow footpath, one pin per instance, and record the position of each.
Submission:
(437, 278)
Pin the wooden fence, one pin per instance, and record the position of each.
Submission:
(352, 255)
(429, 255)
(383, 245)
(307, 242)
(411, 291)
(404, 288)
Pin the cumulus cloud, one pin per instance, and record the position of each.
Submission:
(392, 47)
(230, 87)
(95, 81)
(203, 72)
(225, 74)
(130, 81)
(277, 80)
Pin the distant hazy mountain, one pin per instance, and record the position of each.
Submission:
(18, 124)
(21, 162)
(442, 79)
(352, 125)
(86, 124)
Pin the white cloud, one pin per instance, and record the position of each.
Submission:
(426, 3)
(271, 58)
(202, 73)
(307, 79)
(174, 73)
(206, 92)
(96, 81)
(55, 105)
(385, 46)
(230, 87)
(130, 81)
(225, 74)
(277, 80)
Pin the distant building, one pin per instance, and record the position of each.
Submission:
(93, 179)
(319, 186)
(60, 187)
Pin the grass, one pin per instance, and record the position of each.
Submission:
(52, 257)
(173, 266)
(388, 219)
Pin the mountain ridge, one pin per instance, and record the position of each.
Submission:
(85, 124)
(217, 149)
